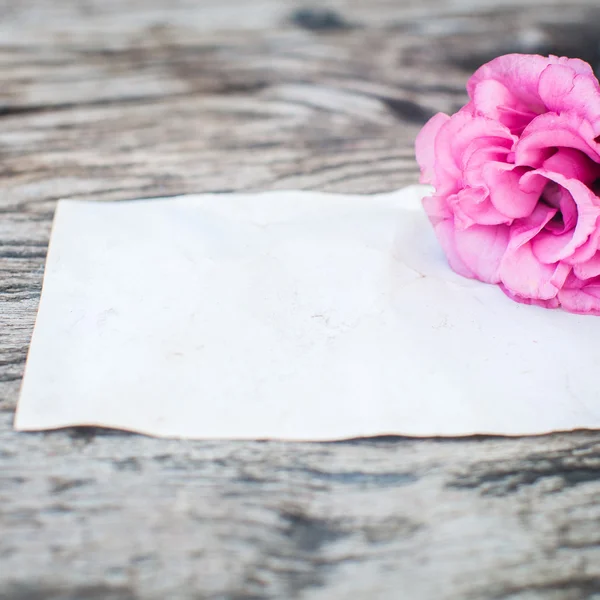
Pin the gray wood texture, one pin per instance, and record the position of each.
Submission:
(118, 99)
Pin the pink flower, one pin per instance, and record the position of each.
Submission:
(517, 175)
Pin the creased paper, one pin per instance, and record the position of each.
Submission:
(290, 315)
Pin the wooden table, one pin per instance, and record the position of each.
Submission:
(117, 99)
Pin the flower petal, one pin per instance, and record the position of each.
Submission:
(587, 250)
(472, 206)
(482, 248)
(588, 269)
(437, 208)
(516, 119)
(563, 89)
(573, 164)
(445, 232)
(451, 142)
(584, 300)
(526, 229)
(520, 75)
(524, 275)
(425, 146)
(550, 303)
(553, 248)
(477, 155)
(547, 132)
(507, 196)
(495, 101)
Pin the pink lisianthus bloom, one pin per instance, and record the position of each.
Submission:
(516, 174)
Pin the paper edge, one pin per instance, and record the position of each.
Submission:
(305, 439)
(422, 190)
(16, 417)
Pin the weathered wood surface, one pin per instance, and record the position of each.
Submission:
(122, 99)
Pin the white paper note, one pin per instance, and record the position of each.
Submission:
(290, 315)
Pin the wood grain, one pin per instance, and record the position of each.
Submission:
(123, 99)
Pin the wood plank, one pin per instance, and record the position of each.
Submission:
(122, 516)
(123, 99)
(111, 22)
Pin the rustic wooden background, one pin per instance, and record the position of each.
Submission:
(117, 99)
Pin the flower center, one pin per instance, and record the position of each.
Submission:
(557, 197)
